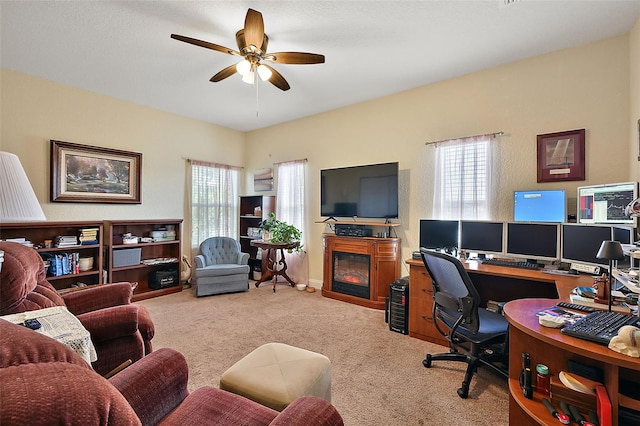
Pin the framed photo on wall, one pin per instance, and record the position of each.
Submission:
(561, 156)
(91, 174)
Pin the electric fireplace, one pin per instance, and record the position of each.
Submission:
(351, 274)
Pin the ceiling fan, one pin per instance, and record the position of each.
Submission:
(252, 46)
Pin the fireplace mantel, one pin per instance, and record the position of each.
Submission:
(384, 266)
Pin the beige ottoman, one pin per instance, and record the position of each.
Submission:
(276, 374)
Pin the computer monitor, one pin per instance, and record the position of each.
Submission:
(606, 203)
(438, 234)
(535, 241)
(481, 237)
(540, 206)
(624, 234)
(580, 243)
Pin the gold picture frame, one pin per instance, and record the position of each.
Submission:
(91, 174)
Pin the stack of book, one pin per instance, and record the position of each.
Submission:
(20, 240)
(66, 241)
(88, 236)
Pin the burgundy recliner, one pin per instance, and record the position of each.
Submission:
(43, 382)
(119, 330)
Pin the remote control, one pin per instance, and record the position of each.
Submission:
(576, 307)
(33, 324)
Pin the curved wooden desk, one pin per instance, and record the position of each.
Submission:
(498, 283)
(275, 267)
(549, 346)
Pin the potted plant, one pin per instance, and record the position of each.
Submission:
(280, 232)
(267, 225)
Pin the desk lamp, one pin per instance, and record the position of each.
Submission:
(18, 202)
(610, 250)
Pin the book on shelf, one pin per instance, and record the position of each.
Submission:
(66, 241)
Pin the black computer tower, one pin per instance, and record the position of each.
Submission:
(398, 311)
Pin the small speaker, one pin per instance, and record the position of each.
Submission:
(399, 305)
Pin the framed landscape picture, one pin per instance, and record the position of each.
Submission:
(91, 174)
(561, 156)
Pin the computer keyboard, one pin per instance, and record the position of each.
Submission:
(511, 263)
(599, 326)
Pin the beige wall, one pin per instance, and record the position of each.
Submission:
(586, 87)
(35, 111)
(634, 101)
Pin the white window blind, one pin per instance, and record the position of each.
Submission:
(214, 201)
(463, 178)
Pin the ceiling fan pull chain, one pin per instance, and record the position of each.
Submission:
(257, 97)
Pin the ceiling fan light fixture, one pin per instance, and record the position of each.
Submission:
(249, 77)
(264, 72)
(243, 67)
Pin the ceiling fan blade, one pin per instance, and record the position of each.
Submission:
(253, 28)
(227, 72)
(295, 58)
(205, 44)
(277, 79)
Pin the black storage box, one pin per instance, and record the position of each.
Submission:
(162, 278)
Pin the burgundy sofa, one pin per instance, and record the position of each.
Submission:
(119, 329)
(42, 382)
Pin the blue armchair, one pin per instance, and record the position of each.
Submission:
(221, 267)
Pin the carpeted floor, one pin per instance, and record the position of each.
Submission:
(378, 377)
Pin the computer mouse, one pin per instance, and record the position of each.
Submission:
(633, 273)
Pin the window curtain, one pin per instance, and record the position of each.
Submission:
(462, 184)
(214, 201)
(290, 208)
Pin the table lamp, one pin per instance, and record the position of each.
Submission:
(610, 250)
(18, 202)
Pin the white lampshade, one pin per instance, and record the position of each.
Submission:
(249, 77)
(18, 202)
(243, 67)
(264, 72)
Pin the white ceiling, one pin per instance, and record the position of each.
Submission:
(373, 48)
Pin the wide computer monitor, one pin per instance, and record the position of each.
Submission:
(482, 237)
(535, 241)
(580, 243)
(606, 203)
(438, 234)
(548, 205)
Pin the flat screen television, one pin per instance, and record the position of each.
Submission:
(535, 241)
(439, 234)
(580, 243)
(540, 206)
(369, 191)
(481, 237)
(606, 203)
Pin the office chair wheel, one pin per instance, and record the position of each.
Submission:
(463, 392)
(427, 361)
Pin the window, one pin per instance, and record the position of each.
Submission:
(290, 194)
(463, 178)
(214, 201)
(290, 207)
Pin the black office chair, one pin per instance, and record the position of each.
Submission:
(476, 336)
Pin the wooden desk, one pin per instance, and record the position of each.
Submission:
(498, 283)
(549, 346)
(275, 267)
